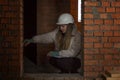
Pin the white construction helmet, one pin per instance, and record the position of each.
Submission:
(65, 18)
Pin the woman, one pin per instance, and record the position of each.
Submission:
(67, 42)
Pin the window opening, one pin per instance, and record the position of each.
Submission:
(79, 10)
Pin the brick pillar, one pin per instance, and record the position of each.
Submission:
(10, 39)
(101, 36)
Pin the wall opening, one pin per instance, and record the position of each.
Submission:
(40, 16)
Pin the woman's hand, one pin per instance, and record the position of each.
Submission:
(27, 42)
(53, 54)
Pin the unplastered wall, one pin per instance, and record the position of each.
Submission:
(10, 39)
(101, 36)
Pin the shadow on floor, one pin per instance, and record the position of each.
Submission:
(30, 67)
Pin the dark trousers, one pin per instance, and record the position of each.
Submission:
(66, 65)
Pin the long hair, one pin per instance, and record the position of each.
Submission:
(63, 40)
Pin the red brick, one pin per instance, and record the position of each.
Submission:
(103, 16)
(5, 21)
(14, 57)
(106, 27)
(97, 68)
(114, 39)
(104, 39)
(116, 68)
(98, 57)
(6, 8)
(10, 38)
(115, 51)
(116, 57)
(108, 22)
(98, 45)
(108, 45)
(108, 68)
(116, 15)
(117, 21)
(11, 14)
(116, 45)
(12, 27)
(110, 9)
(98, 33)
(15, 21)
(91, 51)
(98, 21)
(88, 16)
(88, 9)
(115, 62)
(14, 2)
(14, 63)
(12, 51)
(88, 57)
(108, 33)
(117, 33)
(5, 33)
(91, 62)
(5, 44)
(88, 68)
(108, 57)
(88, 33)
(89, 3)
(115, 4)
(105, 4)
(101, 9)
(117, 9)
(91, 27)
(88, 22)
(109, 62)
(106, 51)
(91, 74)
(91, 39)
(10, 8)
(116, 28)
(88, 45)
(2, 51)
(3, 2)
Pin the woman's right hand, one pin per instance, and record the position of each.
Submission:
(27, 42)
(53, 53)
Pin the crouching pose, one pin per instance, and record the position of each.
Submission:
(67, 40)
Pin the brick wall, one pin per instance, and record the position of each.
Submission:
(101, 36)
(10, 37)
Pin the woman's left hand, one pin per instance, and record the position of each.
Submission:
(26, 42)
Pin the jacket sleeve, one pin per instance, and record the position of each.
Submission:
(45, 38)
(74, 49)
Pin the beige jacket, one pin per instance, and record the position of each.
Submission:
(75, 44)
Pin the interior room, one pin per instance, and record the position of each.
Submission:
(40, 16)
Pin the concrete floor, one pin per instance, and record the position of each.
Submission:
(46, 72)
(30, 67)
(53, 76)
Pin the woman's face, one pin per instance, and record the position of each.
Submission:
(63, 28)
